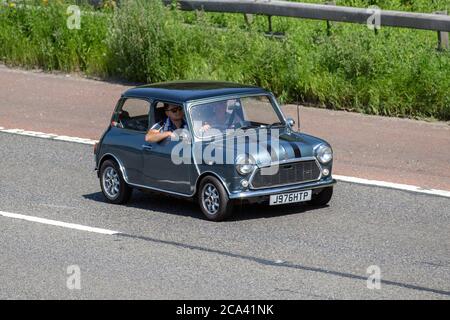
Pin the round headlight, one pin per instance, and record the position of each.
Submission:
(324, 154)
(244, 164)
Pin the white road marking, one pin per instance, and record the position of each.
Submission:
(391, 185)
(385, 184)
(57, 223)
(48, 136)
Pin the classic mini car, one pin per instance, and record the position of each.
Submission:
(234, 145)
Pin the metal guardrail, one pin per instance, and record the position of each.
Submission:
(413, 20)
(424, 21)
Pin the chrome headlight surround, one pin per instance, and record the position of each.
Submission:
(244, 164)
(324, 154)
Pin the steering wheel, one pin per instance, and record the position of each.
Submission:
(230, 120)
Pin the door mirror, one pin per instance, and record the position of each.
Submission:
(290, 122)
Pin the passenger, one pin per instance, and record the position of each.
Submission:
(220, 118)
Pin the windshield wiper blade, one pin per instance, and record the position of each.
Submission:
(249, 126)
(275, 124)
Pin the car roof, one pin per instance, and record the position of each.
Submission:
(183, 91)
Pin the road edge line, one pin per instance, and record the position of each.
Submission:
(58, 223)
(356, 180)
(49, 136)
(392, 185)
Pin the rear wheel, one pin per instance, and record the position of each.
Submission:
(213, 199)
(114, 187)
(322, 198)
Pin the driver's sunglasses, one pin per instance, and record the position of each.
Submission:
(174, 110)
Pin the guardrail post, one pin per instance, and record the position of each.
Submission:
(248, 19)
(330, 3)
(442, 36)
(270, 24)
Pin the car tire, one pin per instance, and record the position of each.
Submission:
(213, 199)
(114, 187)
(322, 198)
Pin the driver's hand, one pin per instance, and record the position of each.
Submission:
(205, 128)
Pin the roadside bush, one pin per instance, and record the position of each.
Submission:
(150, 43)
(37, 36)
(397, 72)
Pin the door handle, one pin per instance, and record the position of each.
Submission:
(147, 147)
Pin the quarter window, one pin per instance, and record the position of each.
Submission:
(134, 115)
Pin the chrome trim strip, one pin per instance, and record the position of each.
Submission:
(285, 162)
(121, 167)
(272, 191)
(162, 190)
(193, 145)
(191, 103)
(289, 161)
(125, 177)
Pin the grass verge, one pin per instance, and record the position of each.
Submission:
(397, 72)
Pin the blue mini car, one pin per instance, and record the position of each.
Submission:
(218, 143)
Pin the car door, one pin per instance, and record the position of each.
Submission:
(160, 171)
(127, 136)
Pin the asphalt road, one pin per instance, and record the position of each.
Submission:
(371, 147)
(167, 250)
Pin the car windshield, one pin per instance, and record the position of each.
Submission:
(215, 118)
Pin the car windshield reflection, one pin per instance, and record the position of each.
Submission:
(221, 117)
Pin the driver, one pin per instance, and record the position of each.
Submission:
(164, 129)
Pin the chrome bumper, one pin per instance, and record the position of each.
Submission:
(291, 188)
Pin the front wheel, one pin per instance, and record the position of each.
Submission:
(322, 198)
(114, 187)
(213, 199)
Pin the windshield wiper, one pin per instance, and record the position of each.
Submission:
(275, 124)
(247, 127)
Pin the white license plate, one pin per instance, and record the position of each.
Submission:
(292, 197)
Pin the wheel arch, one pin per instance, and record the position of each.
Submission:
(210, 174)
(110, 156)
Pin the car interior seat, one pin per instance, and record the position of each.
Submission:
(123, 118)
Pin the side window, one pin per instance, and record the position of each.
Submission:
(134, 114)
(159, 113)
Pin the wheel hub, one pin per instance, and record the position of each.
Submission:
(111, 182)
(211, 198)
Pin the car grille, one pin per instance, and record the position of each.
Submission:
(289, 173)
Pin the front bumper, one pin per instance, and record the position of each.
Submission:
(291, 188)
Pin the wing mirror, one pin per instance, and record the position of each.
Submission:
(290, 122)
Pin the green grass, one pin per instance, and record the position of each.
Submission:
(397, 72)
(38, 37)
